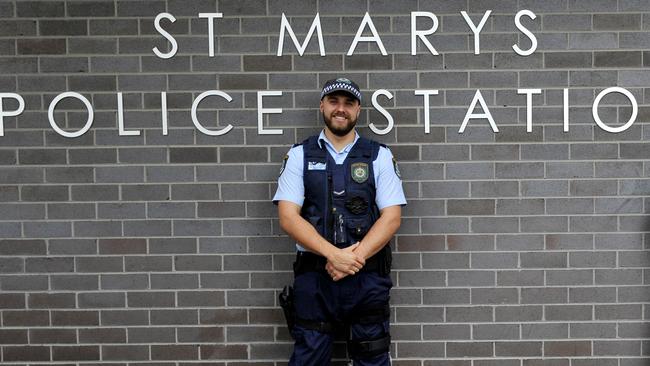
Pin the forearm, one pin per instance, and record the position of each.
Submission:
(304, 233)
(380, 233)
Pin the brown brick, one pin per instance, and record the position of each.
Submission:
(201, 334)
(174, 317)
(125, 317)
(26, 353)
(217, 352)
(126, 353)
(49, 264)
(22, 247)
(102, 335)
(518, 349)
(148, 264)
(567, 348)
(75, 318)
(55, 46)
(201, 298)
(13, 336)
(267, 63)
(63, 27)
(152, 335)
(150, 299)
(40, 9)
(12, 301)
(122, 246)
(51, 300)
(174, 352)
(99, 264)
(75, 353)
(52, 335)
(85, 9)
(101, 300)
(469, 349)
(25, 318)
(617, 59)
(223, 316)
(193, 155)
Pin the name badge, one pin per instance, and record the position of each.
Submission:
(315, 165)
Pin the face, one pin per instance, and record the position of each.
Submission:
(340, 112)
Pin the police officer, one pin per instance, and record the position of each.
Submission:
(340, 196)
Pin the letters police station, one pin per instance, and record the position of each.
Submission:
(419, 20)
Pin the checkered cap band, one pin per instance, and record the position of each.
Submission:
(336, 86)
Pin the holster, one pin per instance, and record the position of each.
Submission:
(286, 303)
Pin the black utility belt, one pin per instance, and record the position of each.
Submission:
(310, 262)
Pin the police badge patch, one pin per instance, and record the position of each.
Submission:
(359, 172)
(399, 175)
(284, 164)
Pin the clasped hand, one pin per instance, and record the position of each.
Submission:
(344, 262)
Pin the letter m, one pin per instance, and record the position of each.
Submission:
(315, 25)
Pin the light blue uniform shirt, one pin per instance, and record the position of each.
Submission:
(388, 185)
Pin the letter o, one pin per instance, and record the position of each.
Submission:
(56, 100)
(601, 95)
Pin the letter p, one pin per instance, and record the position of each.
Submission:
(3, 113)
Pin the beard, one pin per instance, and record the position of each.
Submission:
(343, 130)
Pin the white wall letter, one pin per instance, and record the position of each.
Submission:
(476, 30)
(524, 30)
(211, 17)
(164, 33)
(381, 110)
(261, 111)
(17, 112)
(478, 97)
(426, 94)
(56, 100)
(529, 106)
(422, 33)
(315, 25)
(566, 109)
(615, 89)
(163, 111)
(120, 118)
(374, 38)
(195, 105)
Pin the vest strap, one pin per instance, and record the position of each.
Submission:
(368, 349)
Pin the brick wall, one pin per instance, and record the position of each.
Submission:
(516, 248)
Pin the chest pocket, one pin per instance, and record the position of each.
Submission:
(358, 227)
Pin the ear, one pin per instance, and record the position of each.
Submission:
(321, 106)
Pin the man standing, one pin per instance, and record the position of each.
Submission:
(340, 196)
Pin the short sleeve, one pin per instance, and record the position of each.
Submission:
(290, 182)
(388, 183)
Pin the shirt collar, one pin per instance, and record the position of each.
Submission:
(323, 138)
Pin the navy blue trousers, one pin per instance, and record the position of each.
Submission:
(317, 297)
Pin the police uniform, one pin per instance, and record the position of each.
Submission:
(340, 194)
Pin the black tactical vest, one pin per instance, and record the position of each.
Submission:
(340, 199)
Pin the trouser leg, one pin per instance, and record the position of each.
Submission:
(370, 329)
(311, 348)
(313, 302)
(369, 333)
